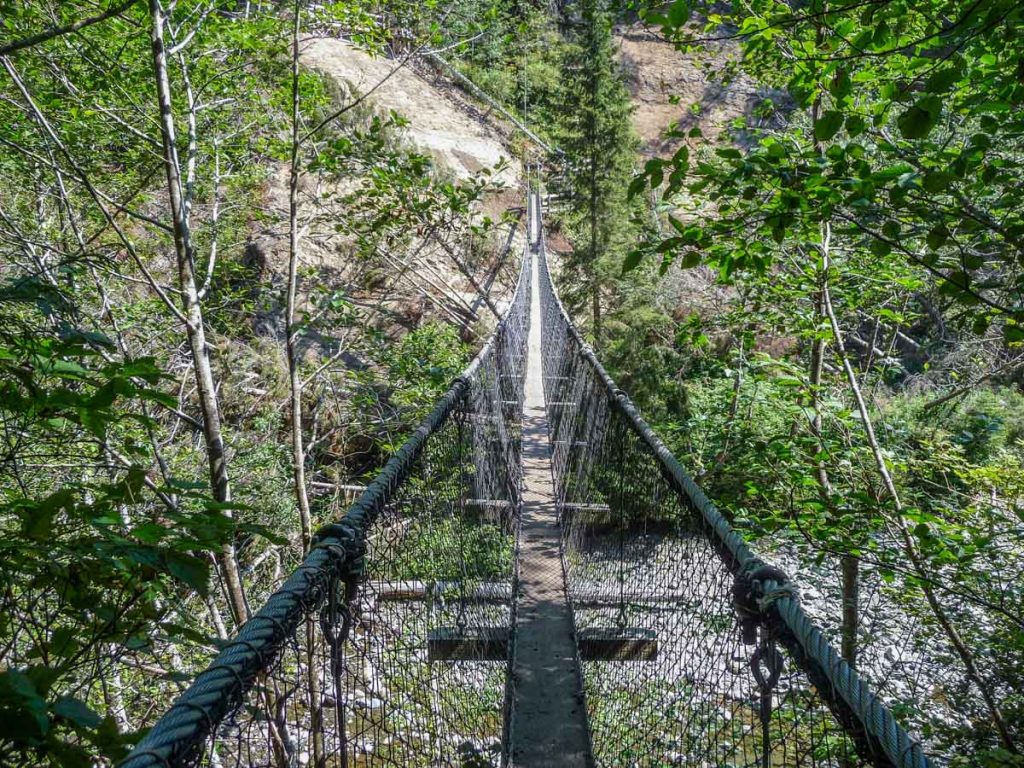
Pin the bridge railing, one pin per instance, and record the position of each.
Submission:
(339, 667)
(719, 664)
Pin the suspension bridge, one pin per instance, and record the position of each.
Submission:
(531, 580)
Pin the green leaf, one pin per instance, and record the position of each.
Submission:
(955, 284)
(145, 556)
(150, 533)
(23, 712)
(77, 712)
(893, 172)
(156, 396)
(973, 260)
(679, 13)
(191, 570)
(828, 125)
(632, 261)
(841, 85)
(855, 125)
(937, 181)
(937, 236)
(655, 172)
(690, 260)
(918, 121)
(636, 186)
(38, 524)
(943, 80)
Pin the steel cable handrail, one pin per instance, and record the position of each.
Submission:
(178, 738)
(879, 736)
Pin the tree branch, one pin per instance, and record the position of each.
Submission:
(51, 32)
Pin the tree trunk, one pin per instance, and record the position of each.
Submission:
(849, 565)
(595, 288)
(291, 332)
(313, 660)
(193, 311)
(910, 549)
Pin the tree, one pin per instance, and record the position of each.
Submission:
(597, 143)
(181, 183)
(879, 208)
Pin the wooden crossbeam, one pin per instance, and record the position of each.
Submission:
(501, 592)
(484, 417)
(601, 518)
(491, 644)
(585, 507)
(611, 596)
(490, 503)
(470, 644)
(614, 644)
(485, 592)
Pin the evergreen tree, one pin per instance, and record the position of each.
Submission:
(598, 142)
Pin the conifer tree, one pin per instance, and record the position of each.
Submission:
(598, 142)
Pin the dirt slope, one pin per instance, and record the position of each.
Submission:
(438, 123)
(421, 280)
(672, 87)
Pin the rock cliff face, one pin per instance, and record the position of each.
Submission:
(689, 90)
(669, 90)
(424, 279)
(438, 123)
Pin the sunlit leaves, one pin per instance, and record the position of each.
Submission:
(902, 131)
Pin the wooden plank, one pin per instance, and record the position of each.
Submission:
(570, 507)
(469, 644)
(490, 503)
(394, 591)
(585, 597)
(501, 592)
(549, 720)
(614, 644)
(599, 519)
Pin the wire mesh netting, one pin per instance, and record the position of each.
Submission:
(657, 583)
(371, 654)
(392, 643)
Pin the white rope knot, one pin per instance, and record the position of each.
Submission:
(766, 598)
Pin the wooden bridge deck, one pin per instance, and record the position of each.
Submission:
(549, 721)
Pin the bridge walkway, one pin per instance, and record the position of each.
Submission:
(549, 725)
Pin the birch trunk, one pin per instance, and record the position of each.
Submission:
(291, 331)
(193, 311)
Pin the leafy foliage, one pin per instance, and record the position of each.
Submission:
(881, 179)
